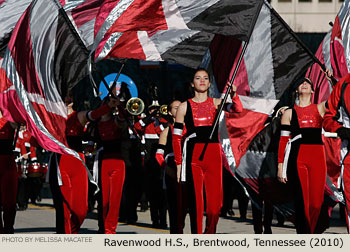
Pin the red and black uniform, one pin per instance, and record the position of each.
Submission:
(151, 128)
(207, 172)
(8, 178)
(69, 182)
(307, 169)
(134, 175)
(337, 119)
(111, 174)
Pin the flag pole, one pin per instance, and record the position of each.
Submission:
(116, 79)
(217, 118)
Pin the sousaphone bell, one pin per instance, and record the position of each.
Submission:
(135, 106)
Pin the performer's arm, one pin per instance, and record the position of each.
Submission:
(163, 124)
(236, 105)
(285, 136)
(330, 122)
(142, 123)
(161, 147)
(177, 136)
(93, 115)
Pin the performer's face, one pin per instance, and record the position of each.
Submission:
(201, 81)
(174, 106)
(305, 88)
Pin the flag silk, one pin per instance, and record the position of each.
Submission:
(230, 18)
(42, 63)
(83, 16)
(334, 53)
(236, 130)
(258, 169)
(10, 12)
(272, 62)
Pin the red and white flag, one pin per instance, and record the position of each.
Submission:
(42, 62)
(129, 25)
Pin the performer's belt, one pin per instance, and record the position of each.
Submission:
(311, 136)
(6, 146)
(75, 143)
(111, 147)
(203, 133)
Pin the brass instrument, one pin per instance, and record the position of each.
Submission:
(163, 109)
(135, 106)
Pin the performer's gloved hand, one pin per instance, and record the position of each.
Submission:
(165, 124)
(343, 133)
(149, 118)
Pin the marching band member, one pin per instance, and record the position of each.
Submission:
(8, 177)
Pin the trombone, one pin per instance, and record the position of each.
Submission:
(163, 109)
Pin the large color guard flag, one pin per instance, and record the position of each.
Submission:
(132, 25)
(274, 59)
(334, 52)
(43, 61)
(10, 12)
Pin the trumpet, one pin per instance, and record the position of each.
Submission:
(135, 106)
(163, 109)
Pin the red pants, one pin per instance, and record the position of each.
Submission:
(74, 192)
(8, 192)
(312, 173)
(112, 180)
(207, 172)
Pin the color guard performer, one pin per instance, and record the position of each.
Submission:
(337, 119)
(198, 114)
(175, 192)
(69, 180)
(301, 128)
(111, 167)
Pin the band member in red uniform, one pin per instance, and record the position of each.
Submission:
(69, 181)
(112, 168)
(306, 173)
(8, 177)
(337, 119)
(198, 114)
(151, 127)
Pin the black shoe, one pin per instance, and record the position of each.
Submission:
(268, 231)
(163, 226)
(21, 208)
(155, 224)
(231, 212)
